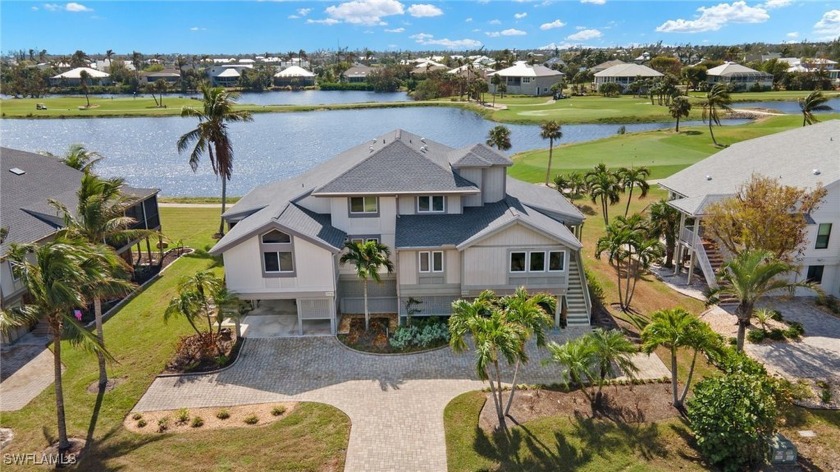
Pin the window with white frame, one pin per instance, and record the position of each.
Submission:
(277, 254)
(431, 261)
(363, 239)
(364, 205)
(517, 261)
(823, 235)
(431, 204)
(276, 237)
(537, 261)
(556, 261)
(278, 262)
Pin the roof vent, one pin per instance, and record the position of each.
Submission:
(374, 141)
(816, 172)
(423, 148)
(17, 171)
(708, 177)
(423, 140)
(371, 149)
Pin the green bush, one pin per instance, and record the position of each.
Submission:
(183, 416)
(733, 417)
(831, 302)
(755, 336)
(163, 424)
(776, 315)
(197, 422)
(223, 414)
(730, 361)
(776, 334)
(794, 330)
(251, 419)
(422, 333)
(142, 424)
(136, 416)
(278, 410)
(596, 291)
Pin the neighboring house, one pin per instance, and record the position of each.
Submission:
(606, 65)
(455, 222)
(357, 74)
(27, 182)
(625, 74)
(525, 79)
(169, 76)
(226, 75)
(809, 64)
(73, 77)
(738, 77)
(424, 66)
(802, 157)
(294, 75)
(472, 71)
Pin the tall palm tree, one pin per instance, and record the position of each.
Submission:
(496, 80)
(99, 218)
(78, 157)
(680, 107)
(630, 251)
(664, 222)
(84, 80)
(815, 101)
(632, 178)
(603, 185)
(369, 258)
(211, 135)
(499, 137)
(675, 329)
(611, 347)
(551, 131)
(717, 99)
(195, 301)
(750, 276)
(494, 337)
(54, 274)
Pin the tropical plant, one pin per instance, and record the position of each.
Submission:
(77, 157)
(211, 136)
(551, 131)
(751, 276)
(499, 137)
(577, 358)
(610, 347)
(603, 185)
(229, 305)
(815, 101)
(630, 251)
(54, 275)
(680, 107)
(195, 302)
(675, 329)
(664, 222)
(369, 258)
(494, 338)
(84, 81)
(496, 80)
(630, 179)
(717, 99)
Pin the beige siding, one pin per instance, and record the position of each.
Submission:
(452, 266)
(517, 236)
(486, 266)
(453, 204)
(383, 224)
(473, 175)
(408, 268)
(407, 204)
(316, 204)
(494, 184)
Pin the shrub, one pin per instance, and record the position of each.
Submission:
(252, 419)
(730, 361)
(278, 410)
(795, 330)
(732, 341)
(755, 336)
(825, 391)
(223, 414)
(776, 334)
(596, 291)
(197, 422)
(422, 333)
(136, 416)
(142, 424)
(163, 424)
(733, 417)
(183, 416)
(776, 315)
(831, 302)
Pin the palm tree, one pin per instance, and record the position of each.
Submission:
(551, 131)
(750, 276)
(211, 135)
(195, 301)
(680, 107)
(815, 101)
(99, 218)
(630, 251)
(496, 80)
(369, 258)
(664, 222)
(529, 311)
(78, 157)
(675, 329)
(494, 337)
(84, 80)
(499, 137)
(577, 358)
(632, 178)
(603, 185)
(716, 99)
(53, 275)
(611, 347)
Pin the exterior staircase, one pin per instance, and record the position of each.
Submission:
(716, 260)
(576, 312)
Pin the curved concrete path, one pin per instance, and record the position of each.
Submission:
(395, 403)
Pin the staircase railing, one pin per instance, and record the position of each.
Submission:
(706, 265)
(584, 285)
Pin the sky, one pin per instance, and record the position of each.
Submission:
(242, 27)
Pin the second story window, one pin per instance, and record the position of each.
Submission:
(431, 204)
(368, 206)
(431, 261)
(277, 254)
(823, 234)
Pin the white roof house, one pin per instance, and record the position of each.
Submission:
(624, 74)
(228, 72)
(738, 77)
(294, 71)
(525, 79)
(523, 69)
(76, 74)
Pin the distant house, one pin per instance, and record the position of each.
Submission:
(801, 157)
(226, 75)
(471, 71)
(357, 74)
(73, 77)
(27, 182)
(739, 77)
(424, 66)
(169, 76)
(606, 65)
(625, 74)
(809, 64)
(525, 79)
(294, 75)
(455, 222)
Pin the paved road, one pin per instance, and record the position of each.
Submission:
(395, 403)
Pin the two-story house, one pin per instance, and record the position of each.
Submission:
(455, 222)
(802, 157)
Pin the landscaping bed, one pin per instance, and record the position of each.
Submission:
(385, 336)
(193, 419)
(197, 353)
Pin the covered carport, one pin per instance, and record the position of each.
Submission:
(290, 317)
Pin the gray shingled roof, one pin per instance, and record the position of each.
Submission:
(425, 231)
(477, 155)
(792, 156)
(544, 199)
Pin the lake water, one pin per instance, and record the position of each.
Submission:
(789, 107)
(273, 146)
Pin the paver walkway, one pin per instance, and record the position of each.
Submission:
(26, 369)
(395, 403)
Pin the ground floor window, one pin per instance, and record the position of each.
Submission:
(431, 261)
(278, 262)
(815, 274)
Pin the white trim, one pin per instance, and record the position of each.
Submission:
(565, 261)
(431, 203)
(524, 265)
(430, 262)
(364, 205)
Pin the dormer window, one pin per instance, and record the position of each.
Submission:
(431, 204)
(277, 254)
(276, 237)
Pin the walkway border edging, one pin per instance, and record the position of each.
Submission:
(386, 354)
(209, 372)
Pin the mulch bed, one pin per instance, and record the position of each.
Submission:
(374, 339)
(621, 403)
(196, 354)
(149, 422)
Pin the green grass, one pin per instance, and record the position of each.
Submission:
(142, 343)
(664, 152)
(230, 200)
(560, 443)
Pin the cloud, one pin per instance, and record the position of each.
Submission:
(716, 17)
(424, 10)
(395, 30)
(428, 39)
(77, 7)
(584, 35)
(468, 20)
(554, 24)
(770, 4)
(34, 8)
(52, 7)
(792, 35)
(519, 16)
(325, 21)
(303, 11)
(507, 32)
(476, 30)
(829, 24)
(594, 2)
(364, 12)
(197, 28)
(495, 22)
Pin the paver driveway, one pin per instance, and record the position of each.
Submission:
(395, 403)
